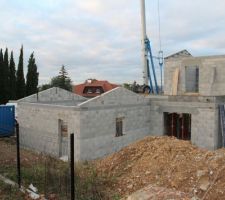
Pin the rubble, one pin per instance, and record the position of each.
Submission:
(166, 163)
(157, 193)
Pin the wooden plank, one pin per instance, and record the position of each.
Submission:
(175, 81)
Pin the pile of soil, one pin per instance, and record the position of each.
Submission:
(169, 163)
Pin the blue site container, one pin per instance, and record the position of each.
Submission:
(7, 120)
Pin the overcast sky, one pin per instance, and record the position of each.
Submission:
(101, 38)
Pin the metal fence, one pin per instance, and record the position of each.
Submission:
(43, 175)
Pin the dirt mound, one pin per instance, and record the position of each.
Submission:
(168, 163)
(157, 193)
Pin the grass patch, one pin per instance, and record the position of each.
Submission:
(7, 192)
(52, 176)
(92, 185)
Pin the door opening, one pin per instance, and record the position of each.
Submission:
(63, 138)
(178, 125)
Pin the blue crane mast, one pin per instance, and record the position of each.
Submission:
(149, 72)
(152, 69)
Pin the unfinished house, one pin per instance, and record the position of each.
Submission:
(194, 90)
(192, 108)
(101, 125)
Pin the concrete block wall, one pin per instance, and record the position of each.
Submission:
(213, 81)
(94, 121)
(115, 97)
(205, 128)
(98, 129)
(204, 120)
(39, 126)
(181, 64)
(98, 122)
(156, 125)
(211, 73)
(170, 67)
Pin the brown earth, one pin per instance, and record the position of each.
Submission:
(8, 154)
(163, 167)
(166, 163)
(157, 193)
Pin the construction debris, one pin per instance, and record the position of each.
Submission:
(167, 163)
(158, 193)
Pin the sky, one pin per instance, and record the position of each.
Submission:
(102, 38)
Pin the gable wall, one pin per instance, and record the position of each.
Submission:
(98, 122)
(98, 129)
(53, 95)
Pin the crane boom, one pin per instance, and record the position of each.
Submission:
(144, 50)
(147, 54)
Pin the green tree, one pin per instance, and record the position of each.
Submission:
(62, 80)
(4, 78)
(20, 81)
(127, 86)
(12, 78)
(1, 78)
(45, 86)
(6, 75)
(32, 76)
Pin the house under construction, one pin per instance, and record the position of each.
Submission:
(194, 93)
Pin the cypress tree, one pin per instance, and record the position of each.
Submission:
(20, 81)
(1, 78)
(32, 76)
(6, 75)
(12, 77)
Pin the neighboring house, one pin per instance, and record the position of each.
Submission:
(92, 88)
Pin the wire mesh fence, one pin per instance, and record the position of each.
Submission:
(45, 175)
(48, 176)
(8, 162)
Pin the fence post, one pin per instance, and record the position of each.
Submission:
(18, 154)
(72, 165)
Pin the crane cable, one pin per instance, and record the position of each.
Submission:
(160, 46)
(159, 26)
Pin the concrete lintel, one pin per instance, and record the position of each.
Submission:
(177, 109)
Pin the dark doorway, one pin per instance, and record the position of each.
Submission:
(119, 127)
(178, 125)
(192, 79)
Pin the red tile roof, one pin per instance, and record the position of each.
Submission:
(88, 89)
